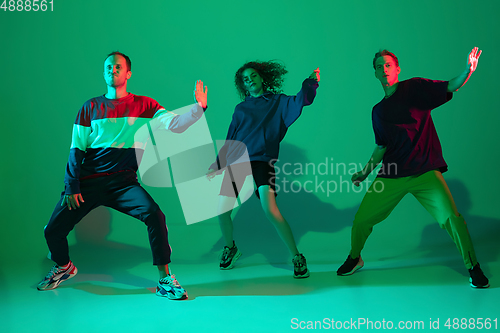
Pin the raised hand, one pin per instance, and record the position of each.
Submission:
(473, 59)
(199, 95)
(315, 75)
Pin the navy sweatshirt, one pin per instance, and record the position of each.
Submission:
(260, 123)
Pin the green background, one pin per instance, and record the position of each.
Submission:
(52, 62)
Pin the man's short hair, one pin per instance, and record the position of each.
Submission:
(127, 59)
(383, 53)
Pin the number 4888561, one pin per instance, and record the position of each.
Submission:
(471, 323)
(27, 5)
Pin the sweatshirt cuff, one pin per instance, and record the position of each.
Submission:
(197, 110)
(72, 188)
(311, 82)
(214, 166)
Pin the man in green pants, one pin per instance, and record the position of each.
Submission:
(412, 161)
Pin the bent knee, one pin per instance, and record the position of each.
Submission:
(451, 219)
(48, 232)
(153, 215)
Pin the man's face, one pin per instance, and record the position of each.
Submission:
(116, 72)
(252, 81)
(386, 70)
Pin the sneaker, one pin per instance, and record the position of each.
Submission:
(300, 270)
(350, 266)
(229, 257)
(56, 276)
(170, 288)
(477, 278)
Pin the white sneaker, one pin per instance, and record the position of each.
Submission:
(57, 275)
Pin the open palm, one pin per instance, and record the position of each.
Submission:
(200, 95)
(473, 59)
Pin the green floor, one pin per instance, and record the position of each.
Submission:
(253, 297)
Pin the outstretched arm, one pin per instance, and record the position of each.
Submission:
(305, 97)
(179, 123)
(457, 82)
(375, 159)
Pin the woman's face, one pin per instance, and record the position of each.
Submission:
(252, 82)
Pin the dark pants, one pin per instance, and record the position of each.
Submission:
(119, 191)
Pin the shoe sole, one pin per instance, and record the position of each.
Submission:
(183, 297)
(478, 287)
(356, 268)
(303, 276)
(58, 282)
(231, 265)
(351, 272)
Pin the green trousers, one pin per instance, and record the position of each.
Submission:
(431, 191)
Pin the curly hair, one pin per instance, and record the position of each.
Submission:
(385, 53)
(271, 72)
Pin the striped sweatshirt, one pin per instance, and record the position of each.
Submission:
(104, 139)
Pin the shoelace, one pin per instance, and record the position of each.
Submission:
(225, 253)
(299, 262)
(170, 280)
(53, 271)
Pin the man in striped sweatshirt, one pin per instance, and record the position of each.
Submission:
(102, 166)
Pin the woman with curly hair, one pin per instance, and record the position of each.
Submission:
(259, 124)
